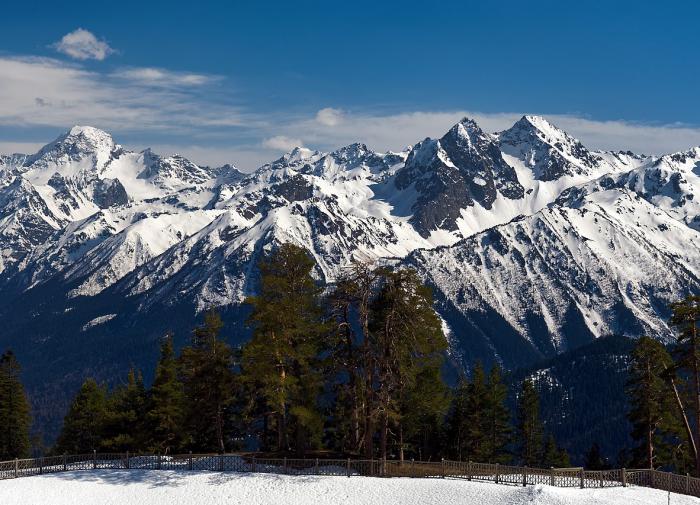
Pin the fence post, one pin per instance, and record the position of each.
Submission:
(624, 477)
(413, 467)
(221, 462)
(253, 464)
(551, 476)
(41, 465)
(443, 468)
(128, 464)
(94, 459)
(65, 467)
(497, 473)
(469, 470)
(316, 466)
(285, 465)
(600, 478)
(581, 475)
(525, 476)
(687, 483)
(16, 467)
(189, 461)
(348, 466)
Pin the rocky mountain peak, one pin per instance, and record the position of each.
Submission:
(548, 151)
(77, 144)
(172, 169)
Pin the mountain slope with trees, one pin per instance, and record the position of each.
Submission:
(104, 250)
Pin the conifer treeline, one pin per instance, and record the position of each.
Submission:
(355, 372)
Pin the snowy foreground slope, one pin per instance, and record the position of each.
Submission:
(533, 243)
(140, 487)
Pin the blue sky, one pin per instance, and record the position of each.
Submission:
(243, 82)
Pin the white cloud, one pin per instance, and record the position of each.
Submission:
(195, 115)
(48, 92)
(396, 131)
(83, 45)
(282, 143)
(329, 116)
(626, 135)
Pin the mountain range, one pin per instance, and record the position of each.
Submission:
(534, 245)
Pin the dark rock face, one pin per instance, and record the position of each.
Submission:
(294, 189)
(109, 192)
(463, 167)
(477, 156)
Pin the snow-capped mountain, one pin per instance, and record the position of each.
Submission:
(533, 243)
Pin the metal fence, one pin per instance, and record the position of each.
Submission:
(500, 474)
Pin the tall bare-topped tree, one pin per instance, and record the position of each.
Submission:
(386, 350)
(685, 318)
(408, 337)
(351, 352)
(651, 401)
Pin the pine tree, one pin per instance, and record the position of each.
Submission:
(281, 361)
(477, 416)
(594, 459)
(422, 411)
(351, 348)
(457, 422)
(124, 424)
(166, 403)
(208, 379)
(14, 410)
(650, 400)
(529, 428)
(686, 317)
(553, 456)
(84, 424)
(497, 419)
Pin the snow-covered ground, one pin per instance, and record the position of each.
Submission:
(143, 487)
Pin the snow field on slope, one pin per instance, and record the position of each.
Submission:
(143, 487)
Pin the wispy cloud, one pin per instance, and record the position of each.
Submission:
(82, 44)
(280, 142)
(199, 116)
(396, 131)
(159, 77)
(48, 92)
